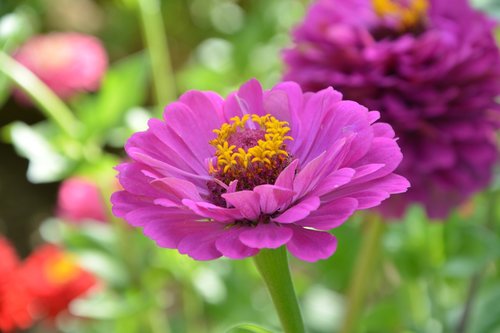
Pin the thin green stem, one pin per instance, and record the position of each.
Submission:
(43, 97)
(193, 310)
(476, 280)
(156, 42)
(158, 321)
(273, 267)
(362, 273)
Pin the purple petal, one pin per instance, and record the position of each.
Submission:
(230, 245)
(251, 97)
(307, 178)
(201, 245)
(383, 151)
(299, 211)
(334, 180)
(247, 202)
(331, 215)
(169, 233)
(372, 193)
(287, 176)
(124, 202)
(178, 188)
(152, 214)
(273, 198)
(211, 211)
(266, 235)
(311, 245)
(207, 105)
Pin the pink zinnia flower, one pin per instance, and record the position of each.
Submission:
(260, 169)
(68, 63)
(79, 199)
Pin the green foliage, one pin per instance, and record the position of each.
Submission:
(123, 88)
(248, 328)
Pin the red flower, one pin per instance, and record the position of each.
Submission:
(54, 279)
(14, 298)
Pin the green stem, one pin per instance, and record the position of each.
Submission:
(273, 267)
(362, 273)
(43, 97)
(156, 41)
(476, 280)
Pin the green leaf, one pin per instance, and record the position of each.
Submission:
(248, 328)
(486, 315)
(106, 305)
(46, 164)
(123, 88)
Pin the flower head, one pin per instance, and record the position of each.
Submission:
(14, 298)
(260, 169)
(433, 71)
(68, 63)
(54, 278)
(79, 199)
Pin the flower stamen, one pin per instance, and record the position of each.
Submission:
(409, 13)
(253, 155)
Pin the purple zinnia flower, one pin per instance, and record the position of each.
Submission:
(260, 169)
(432, 68)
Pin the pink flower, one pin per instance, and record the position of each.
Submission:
(68, 63)
(261, 169)
(78, 200)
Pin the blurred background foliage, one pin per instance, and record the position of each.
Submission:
(427, 272)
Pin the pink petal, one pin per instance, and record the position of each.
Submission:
(178, 188)
(247, 202)
(211, 211)
(331, 215)
(317, 107)
(372, 193)
(207, 105)
(287, 176)
(310, 245)
(124, 202)
(273, 198)
(133, 180)
(201, 245)
(230, 245)
(299, 211)
(307, 178)
(169, 233)
(151, 214)
(248, 100)
(266, 235)
(383, 130)
(334, 180)
(251, 96)
(382, 151)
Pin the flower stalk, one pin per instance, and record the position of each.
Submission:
(156, 42)
(362, 272)
(273, 267)
(46, 99)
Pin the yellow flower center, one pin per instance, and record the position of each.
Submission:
(61, 269)
(243, 143)
(410, 14)
(250, 149)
